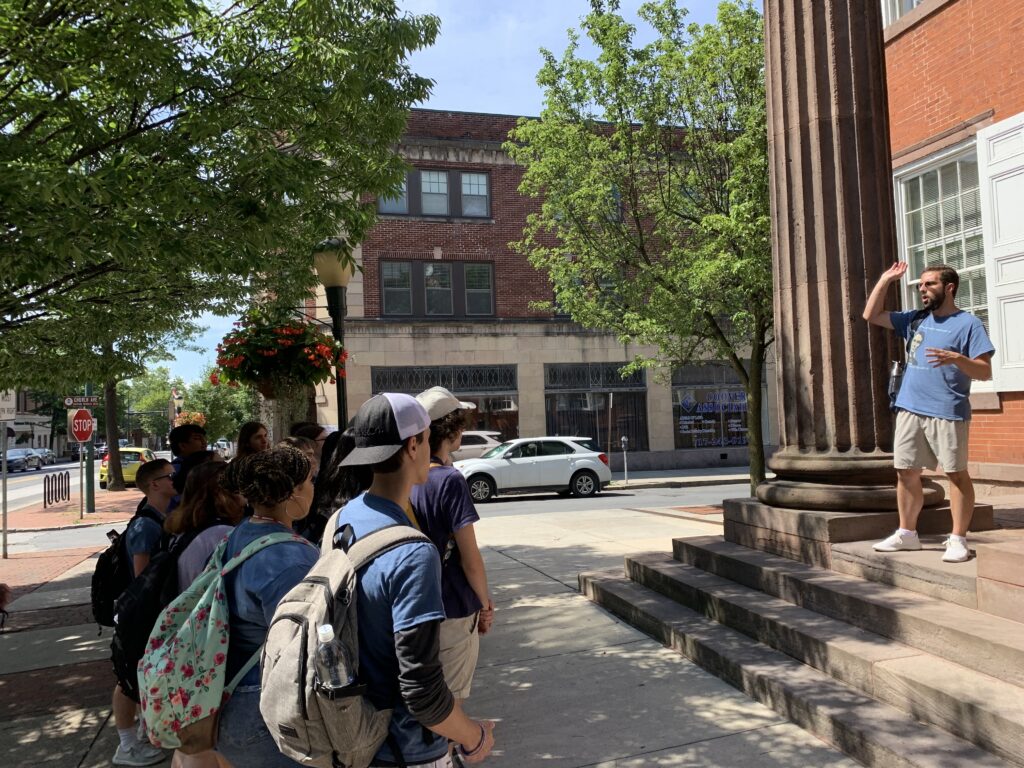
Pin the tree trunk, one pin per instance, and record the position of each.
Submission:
(755, 410)
(115, 477)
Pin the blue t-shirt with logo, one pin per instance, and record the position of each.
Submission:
(399, 590)
(940, 391)
(443, 506)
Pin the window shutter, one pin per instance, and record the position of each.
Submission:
(1001, 172)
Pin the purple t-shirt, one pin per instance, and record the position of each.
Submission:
(443, 506)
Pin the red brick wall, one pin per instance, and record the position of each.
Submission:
(996, 435)
(516, 283)
(954, 65)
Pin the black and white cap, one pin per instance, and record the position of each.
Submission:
(382, 425)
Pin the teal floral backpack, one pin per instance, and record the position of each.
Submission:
(182, 675)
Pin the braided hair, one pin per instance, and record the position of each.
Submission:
(269, 477)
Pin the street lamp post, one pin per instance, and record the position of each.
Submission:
(334, 272)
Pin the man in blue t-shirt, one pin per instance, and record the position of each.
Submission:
(399, 604)
(946, 349)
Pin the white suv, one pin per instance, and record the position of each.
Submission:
(564, 464)
(476, 444)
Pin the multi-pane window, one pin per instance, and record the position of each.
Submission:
(396, 282)
(894, 9)
(942, 225)
(448, 193)
(397, 204)
(434, 193)
(474, 194)
(437, 289)
(479, 290)
(437, 282)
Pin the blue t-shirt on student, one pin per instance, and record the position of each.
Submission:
(942, 391)
(443, 506)
(399, 590)
(143, 536)
(257, 586)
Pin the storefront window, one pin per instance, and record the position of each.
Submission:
(592, 414)
(709, 417)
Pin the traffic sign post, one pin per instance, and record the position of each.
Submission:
(80, 428)
(8, 409)
(90, 472)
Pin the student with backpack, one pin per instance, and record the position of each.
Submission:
(445, 511)
(399, 602)
(141, 540)
(278, 484)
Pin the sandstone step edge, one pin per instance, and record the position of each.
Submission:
(971, 705)
(922, 572)
(867, 730)
(976, 640)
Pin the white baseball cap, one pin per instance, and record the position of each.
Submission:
(439, 402)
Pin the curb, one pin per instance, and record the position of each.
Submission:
(617, 485)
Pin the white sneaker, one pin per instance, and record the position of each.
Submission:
(956, 550)
(139, 754)
(899, 542)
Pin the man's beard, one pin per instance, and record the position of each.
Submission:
(934, 302)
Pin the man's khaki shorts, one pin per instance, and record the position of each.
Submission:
(460, 649)
(925, 442)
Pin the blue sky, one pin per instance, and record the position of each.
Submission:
(485, 59)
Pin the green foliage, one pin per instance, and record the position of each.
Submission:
(226, 408)
(652, 165)
(148, 398)
(159, 158)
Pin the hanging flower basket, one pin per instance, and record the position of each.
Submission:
(273, 352)
(190, 417)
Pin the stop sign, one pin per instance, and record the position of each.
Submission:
(81, 425)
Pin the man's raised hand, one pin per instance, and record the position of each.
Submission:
(895, 272)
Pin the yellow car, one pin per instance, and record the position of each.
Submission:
(131, 459)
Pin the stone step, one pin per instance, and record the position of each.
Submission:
(968, 704)
(922, 571)
(979, 641)
(870, 731)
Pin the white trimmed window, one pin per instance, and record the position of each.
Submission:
(475, 200)
(434, 193)
(940, 212)
(894, 9)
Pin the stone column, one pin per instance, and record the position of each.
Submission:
(833, 232)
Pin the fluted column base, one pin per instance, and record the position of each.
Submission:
(847, 481)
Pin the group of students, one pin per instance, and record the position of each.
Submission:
(421, 607)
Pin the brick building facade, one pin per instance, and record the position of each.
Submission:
(956, 112)
(444, 299)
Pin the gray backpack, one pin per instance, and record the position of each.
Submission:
(308, 725)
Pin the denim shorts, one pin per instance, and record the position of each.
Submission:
(243, 737)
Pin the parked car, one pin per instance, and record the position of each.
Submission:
(561, 464)
(46, 455)
(476, 444)
(22, 459)
(131, 459)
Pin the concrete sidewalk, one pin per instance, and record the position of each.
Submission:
(568, 684)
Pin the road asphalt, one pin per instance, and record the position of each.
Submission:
(568, 684)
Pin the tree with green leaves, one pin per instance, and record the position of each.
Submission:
(651, 162)
(159, 158)
(226, 408)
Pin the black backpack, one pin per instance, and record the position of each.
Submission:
(113, 572)
(139, 607)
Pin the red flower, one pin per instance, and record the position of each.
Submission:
(196, 711)
(214, 379)
(187, 670)
(219, 658)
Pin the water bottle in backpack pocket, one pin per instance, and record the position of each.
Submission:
(312, 701)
